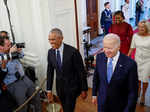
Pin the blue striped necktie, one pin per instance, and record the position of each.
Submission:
(58, 59)
(109, 70)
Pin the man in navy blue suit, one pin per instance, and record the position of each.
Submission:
(115, 81)
(106, 18)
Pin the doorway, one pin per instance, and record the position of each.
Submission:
(92, 17)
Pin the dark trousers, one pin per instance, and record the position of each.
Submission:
(23, 89)
(106, 27)
(138, 14)
(68, 103)
(67, 98)
(7, 103)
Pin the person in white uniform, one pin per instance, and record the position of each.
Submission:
(147, 8)
(126, 11)
(141, 41)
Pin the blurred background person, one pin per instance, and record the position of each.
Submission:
(147, 9)
(126, 11)
(141, 41)
(123, 29)
(106, 18)
(138, 10)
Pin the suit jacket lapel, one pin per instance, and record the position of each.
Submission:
(105, 69)
(54, 57)
(65, 55)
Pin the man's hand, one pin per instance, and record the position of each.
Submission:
(94, 100)
(129, 54)
(19, 49)
(13, 49)
(50, 96)
(4, 87)
(3, 65)
(84, 95)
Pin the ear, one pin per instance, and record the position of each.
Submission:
(118, 47)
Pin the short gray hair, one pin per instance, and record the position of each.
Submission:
(147, 24)
(57, 31)
(113, 36)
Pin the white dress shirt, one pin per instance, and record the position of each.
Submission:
(115, 60)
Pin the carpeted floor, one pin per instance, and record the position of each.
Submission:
(87, 106)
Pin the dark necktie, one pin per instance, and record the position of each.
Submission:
(109, 69)
(58, 59)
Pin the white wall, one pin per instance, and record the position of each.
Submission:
(32, 21)
(3, 17)
(82, 22)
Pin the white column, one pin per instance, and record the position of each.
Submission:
(82, 22)
(100, 9)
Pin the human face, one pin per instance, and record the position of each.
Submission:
(118, 19)
(3, 34)
(142, 29)
(108, 6)
(127, 1)
(55, 40)
(111, 47)
(7, 45)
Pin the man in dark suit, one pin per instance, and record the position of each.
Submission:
(106, 18)
(70, 74)
(115, 81)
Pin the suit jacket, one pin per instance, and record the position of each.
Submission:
(2, 75)
(106, 19)
(72, 76)
(121, 94)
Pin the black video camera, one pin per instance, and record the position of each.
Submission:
(13, 55)
(20, 45)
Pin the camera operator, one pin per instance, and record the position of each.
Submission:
(7, 103)
(4, 101)
(2, 75)
(17, 83)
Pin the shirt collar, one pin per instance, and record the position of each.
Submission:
(127, 4)
(115, 58)
(61, 47)
(107, 9)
